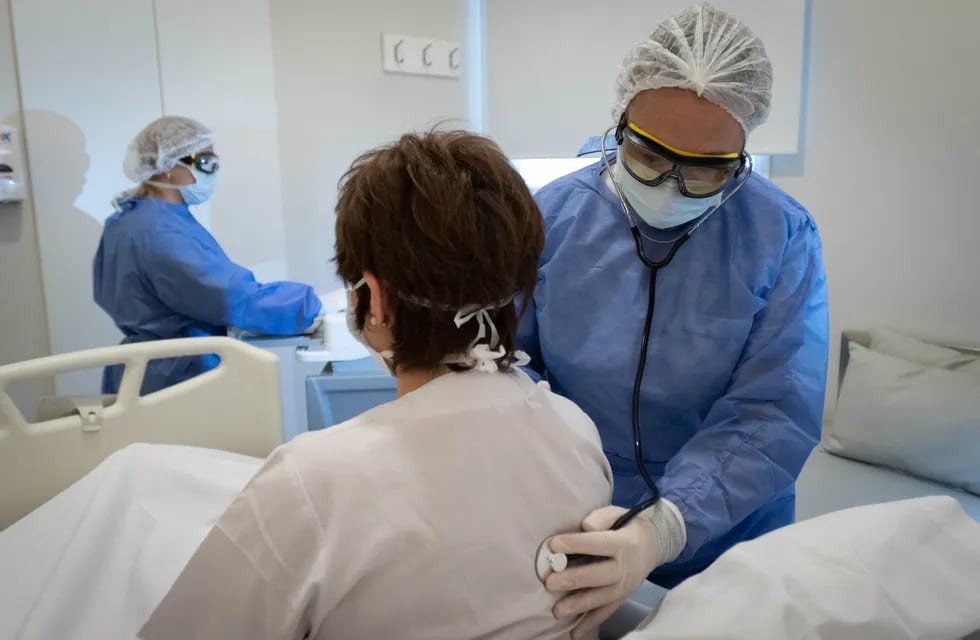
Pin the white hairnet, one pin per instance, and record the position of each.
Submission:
(709, 52)
(163, 142)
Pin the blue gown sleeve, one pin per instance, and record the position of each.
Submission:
(550, 200)
(756, 437)
(199, 281)
(527, 337)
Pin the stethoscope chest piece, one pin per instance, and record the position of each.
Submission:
(547, 561)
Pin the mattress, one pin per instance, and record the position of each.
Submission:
(830, 483)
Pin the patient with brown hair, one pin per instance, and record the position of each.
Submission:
(419, 518)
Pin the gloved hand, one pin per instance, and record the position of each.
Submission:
(652, 538)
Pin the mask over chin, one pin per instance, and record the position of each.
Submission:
(663, 206)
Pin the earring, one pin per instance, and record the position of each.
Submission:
(374, 321)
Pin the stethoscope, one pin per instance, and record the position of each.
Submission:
(546, 561)
(654, 267)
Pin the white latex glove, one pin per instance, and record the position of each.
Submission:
(652, 538)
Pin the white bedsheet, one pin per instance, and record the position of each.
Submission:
(97, 559)
(901, 570)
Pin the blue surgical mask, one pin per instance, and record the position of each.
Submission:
(201, 189)
(195, 193)
(663, 206)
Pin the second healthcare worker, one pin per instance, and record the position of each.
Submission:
(159, 274)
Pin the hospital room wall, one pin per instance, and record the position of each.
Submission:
(335, 102)
(23, 327)
(889, 162)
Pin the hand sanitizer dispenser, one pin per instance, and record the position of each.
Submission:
(11, 169)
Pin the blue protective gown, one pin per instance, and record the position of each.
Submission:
(159, 274)
(732, 399)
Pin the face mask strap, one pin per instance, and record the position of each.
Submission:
(161, 185)
(199, 176)
(482, 355)
(483, 321)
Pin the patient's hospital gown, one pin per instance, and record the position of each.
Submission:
(418, 519)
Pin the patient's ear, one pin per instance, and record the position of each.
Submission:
(379, 309)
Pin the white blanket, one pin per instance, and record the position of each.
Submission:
(95, 561)
(900, 570)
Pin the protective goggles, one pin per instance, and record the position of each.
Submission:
(651, 161)
(204, 161)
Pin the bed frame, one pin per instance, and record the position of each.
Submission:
(236, 407)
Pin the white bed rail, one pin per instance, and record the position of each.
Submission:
(235, 407)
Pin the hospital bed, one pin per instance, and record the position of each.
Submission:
(103, 509)
(829, 482)
(235, 407)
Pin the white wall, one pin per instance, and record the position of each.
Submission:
(889, 167)
(218, 68)
(23, 327)
(552, 66)
(336, 102)
(87, 85)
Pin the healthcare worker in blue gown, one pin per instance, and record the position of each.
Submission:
(731, 401)
(159, 274)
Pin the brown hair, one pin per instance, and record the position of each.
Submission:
(442, 217)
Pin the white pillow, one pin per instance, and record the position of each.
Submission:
(907, 416)
(914, 350)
